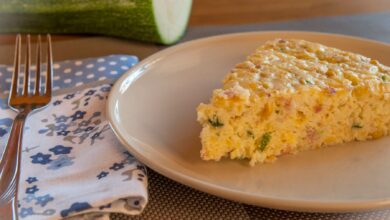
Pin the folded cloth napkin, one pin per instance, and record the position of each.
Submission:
(72, 163)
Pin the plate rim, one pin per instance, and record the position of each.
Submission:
(220, 191)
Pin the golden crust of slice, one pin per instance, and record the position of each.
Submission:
(294, 95)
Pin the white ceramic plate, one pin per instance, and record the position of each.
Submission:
(152, 110)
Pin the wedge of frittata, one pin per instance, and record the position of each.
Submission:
(295, 95)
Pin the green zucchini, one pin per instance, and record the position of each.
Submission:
(160, 21)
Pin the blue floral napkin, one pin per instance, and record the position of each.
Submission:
(72, 162)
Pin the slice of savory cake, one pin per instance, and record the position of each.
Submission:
(295, 95)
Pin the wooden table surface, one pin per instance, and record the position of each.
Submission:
(224, 12)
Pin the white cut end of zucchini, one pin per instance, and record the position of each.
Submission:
(171, 18)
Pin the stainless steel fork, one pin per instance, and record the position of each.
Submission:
(23, 104)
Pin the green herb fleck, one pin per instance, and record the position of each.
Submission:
(215, 122)
(308, 82)
(250, 134)
(241, 157)
(383, 77)
(265, 139)
(356, 125)
(281, 50)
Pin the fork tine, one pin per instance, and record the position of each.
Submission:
(38, 69)
(27, 67)
(49, 71)
(15, 76)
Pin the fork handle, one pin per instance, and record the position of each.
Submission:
(10, 169)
